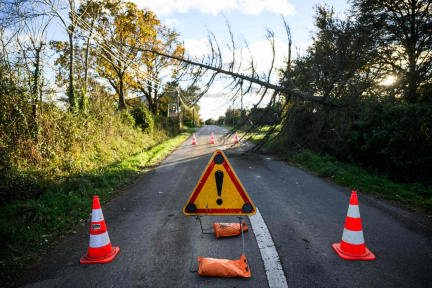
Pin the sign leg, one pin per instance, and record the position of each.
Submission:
(202, 229)
(241, 227)
(193, 245)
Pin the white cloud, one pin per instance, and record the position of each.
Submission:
(261, 52)
(197, 48)
(219, 98)
(172, 22)
(255, 7)
(249, 7)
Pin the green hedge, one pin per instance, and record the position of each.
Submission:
(143, 118)
(394, 139)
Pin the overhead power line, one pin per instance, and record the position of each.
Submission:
(104, 46)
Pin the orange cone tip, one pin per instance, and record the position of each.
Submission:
(100, 249)
(352, 246)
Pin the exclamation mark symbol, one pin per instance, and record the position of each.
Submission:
(219, 181)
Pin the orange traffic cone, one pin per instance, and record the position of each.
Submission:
(212, 141)
(352, 246)
(194, 142)
(100, 249)
(236, 139)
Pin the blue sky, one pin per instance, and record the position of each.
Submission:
(191, 23)
(191, 18)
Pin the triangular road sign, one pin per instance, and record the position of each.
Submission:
(219, 191)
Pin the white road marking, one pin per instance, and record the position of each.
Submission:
(273, 267)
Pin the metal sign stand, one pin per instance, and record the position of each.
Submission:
(202, 231)
(193, 245)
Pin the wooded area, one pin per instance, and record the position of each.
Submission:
(99, 89)
(81, 115)
(121, 83)
(377, 67)
(362, 91)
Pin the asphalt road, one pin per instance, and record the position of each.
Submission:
(304, 214)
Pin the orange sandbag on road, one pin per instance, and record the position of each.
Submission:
(224, 267)
(228, 229)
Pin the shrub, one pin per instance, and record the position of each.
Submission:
(143, 118)
(127, 118)
(395, 139)
(168, 124)
(391, 139)
(162, 122)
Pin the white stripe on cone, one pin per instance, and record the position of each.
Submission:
(353, 237)
(353, 211)
(97, 241)
(97, 215)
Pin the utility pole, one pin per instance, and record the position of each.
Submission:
(193, 116)
(233, 113)
(178, 107)
(241, 94)
(178, 103)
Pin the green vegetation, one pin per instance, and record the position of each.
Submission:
(66, 139)
(367, 101)
(352, 176)
(28, 226)
(227, 127)
(365, 180)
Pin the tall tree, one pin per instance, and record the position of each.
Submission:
(26, 38)
(89, 13)
(86, 20)
(335, 66)
(123, 28)
(156, 67)
(404, 42)
(56, 8)
(71, 33)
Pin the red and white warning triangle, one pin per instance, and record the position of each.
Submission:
(219, 191)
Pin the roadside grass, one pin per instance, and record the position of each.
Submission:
(229, 127)
(255, 138)
(265, 129)
(413, 195)
(29, 227)
(359, 179)
(258, 134)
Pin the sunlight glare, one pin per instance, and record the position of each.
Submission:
(388, 81)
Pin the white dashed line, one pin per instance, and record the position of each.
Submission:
(274, 271)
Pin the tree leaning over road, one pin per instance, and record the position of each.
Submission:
(331, 95)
